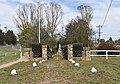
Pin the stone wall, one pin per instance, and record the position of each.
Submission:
(85, 54)
(29, 55)
(44, 52)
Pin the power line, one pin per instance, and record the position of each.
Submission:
(107, 12)
(100, 26)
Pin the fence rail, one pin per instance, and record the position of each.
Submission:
(94, 53)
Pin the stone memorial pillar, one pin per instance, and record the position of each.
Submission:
(27, 53)
(70, 51)
(59, 47)
(59, 50)
(44, 52)
(87, 54)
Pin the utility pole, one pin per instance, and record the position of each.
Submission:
(95, 40)
(99, 32)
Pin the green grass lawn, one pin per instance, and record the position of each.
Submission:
(7, 54)
(63, 72)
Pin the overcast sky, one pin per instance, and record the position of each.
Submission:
(111, 27)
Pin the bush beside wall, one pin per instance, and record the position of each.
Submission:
(107, 46)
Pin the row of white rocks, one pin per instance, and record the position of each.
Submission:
(93, 70)
(34, 64)
(73, 62)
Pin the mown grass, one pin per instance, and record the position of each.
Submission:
(8, 54)
(63, 72)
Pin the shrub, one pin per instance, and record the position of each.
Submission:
(50, 52)
(106, 46)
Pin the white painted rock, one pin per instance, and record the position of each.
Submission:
(40, 62)
(77, 65)
(94, 70)
(43, 60)
(72, 61)
(13, 72)
(34, 64)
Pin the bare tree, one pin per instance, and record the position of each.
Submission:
(29, 15)
(53, 17)
(30, 18)
(86, 13)
(22, 18)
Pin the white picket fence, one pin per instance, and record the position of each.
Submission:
(94, 53)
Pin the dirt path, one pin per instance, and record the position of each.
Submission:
(12, 63)
(23, 59)
(9, 64)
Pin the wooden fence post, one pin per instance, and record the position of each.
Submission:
(106, 54)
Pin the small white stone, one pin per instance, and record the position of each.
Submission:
(72, 61)
(13, 72)
(77, 65)
(34, 64)
(40, 62)
(43, 60)
(94, 70)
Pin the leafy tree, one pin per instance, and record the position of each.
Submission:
(26, 35)
(117, 41)
(110, 41)
(2, 37)
(30, 36)
(77, 31)
(10, 37)
(87, 15)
